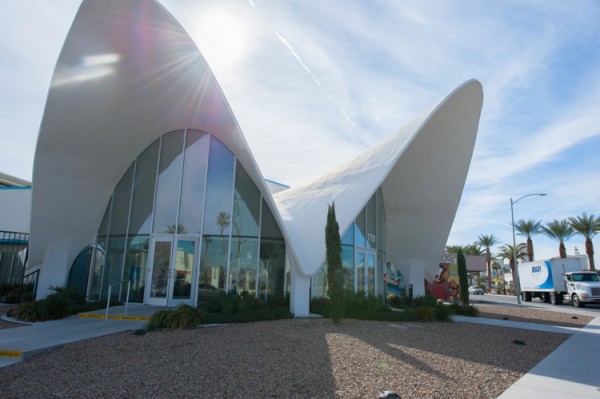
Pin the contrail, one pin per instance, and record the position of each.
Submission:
(312, 75)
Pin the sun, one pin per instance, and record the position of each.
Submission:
(221, 37)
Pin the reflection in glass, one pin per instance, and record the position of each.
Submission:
(348, 237)
(168, 185)
(360, 271)
(269, 227)
(370, 274)
(161, 261)
(120, 204)
(319, 282)
(113, 269)
(242, 265)
(97, 269)
(360, 229)
(246, 205)
(143, 190)
(80, 268)
(136, 259)
(380, 221)
(213, 266)
(348, 264)
(184, 264)
(219, 190)
(194, 180)
(271, 269)
(372, 222)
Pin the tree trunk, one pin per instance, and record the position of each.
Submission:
(589, 250)
(529, 249)
(562, 250)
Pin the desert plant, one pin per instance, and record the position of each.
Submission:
(335, 271)
(30, 311)
(462, 277)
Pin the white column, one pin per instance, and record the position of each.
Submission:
(300, 292)
(53, 270)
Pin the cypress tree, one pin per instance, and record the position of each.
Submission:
(335, 272)
(462, 277)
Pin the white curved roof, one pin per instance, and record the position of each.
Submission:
(127, 74)
(421, 169)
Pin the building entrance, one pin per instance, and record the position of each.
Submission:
(172, 271)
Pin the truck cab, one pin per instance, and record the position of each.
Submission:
(582, 287)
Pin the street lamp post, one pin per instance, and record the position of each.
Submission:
(512, 215)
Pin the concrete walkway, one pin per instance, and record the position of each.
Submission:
(571, 371)
(18, 343)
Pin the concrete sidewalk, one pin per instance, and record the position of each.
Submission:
(571, 371)
(18, 343)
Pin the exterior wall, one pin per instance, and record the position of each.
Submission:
(15, 209)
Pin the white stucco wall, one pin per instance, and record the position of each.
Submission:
(15, 209)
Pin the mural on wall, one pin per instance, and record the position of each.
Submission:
(394, 280)
(445, 285)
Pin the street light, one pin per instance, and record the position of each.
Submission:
(512, 215)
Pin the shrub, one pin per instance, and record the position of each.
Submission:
(184, 316)
(30, 311)
(424, 313)
(320, 306)
(463, 310)
(427, 301)
(57, 307)
(397, 301)
(71, 295)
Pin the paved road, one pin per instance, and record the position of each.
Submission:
(509, 300)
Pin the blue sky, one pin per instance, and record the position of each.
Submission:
(314, 83)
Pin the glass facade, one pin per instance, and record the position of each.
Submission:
(185, 222)
(363, 252)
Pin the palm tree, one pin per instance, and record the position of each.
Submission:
(507, 252)
(473, 249)
(586, 226)
(528, 228)
(561, 231)
(487, 242)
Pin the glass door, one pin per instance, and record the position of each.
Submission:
(171, 271)
(159, 271)
(365, 271)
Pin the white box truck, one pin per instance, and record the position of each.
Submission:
(557, 280)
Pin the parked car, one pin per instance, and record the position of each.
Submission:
(474, 290)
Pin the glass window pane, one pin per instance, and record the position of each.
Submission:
(319, 282)
(80, 268)
(380, 222)
(103, 230)
(360, 229)
(348, 264)
(213, 266)
(243, 263)
(272, 268)
(143, 190)
(269, 227)
(136, 263)
(246, 205)
(120, 204)
(219, 190)
(113, 269)
(161, 266)
(169, 183)
(348, 237)
(184, 267)
(371, 274)
(97, 270)
(193, 182)
(372, 222)
(360, 272)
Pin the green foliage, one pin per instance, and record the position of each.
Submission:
(57, 306)
(30, 311)
(320, 306)
(358, 300)
(424, 313)
(463, 310)
(184, 316)
(380, 315)
(426, 300)
(71, 295)
(463, 279)
(335, 271)
(397, 301)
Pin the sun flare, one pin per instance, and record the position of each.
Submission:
(220, 34)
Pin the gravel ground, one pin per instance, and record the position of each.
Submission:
(533, 315)
(297, 358)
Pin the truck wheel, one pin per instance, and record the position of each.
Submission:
(546, 297)
(526, 296)
(553, 298)
(576, 301)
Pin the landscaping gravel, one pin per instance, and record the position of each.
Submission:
(297, 358)
(532, 315)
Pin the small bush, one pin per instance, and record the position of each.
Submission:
(380, 315)
(442, 313)
(397, 301)
(320, 306)
(71, 295)
(30, 311)
(427, 301)
(57, 307)
(463, 310)
(424, 313)
(184, 316)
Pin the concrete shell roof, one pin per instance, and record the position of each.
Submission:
(127, 74)
(421, 169)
